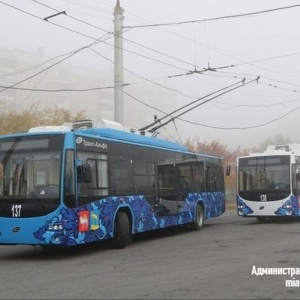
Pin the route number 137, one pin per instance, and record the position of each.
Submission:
(16, 210)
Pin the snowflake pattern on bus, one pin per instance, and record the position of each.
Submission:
(243, 208)
(289, 208)
(95, 221)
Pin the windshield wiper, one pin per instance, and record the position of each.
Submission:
(23, 185)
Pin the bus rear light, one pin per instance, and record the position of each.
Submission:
(298, 201)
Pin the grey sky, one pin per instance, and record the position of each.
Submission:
(199, 34)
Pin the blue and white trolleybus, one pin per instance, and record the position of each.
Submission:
(80, 183)
(268, 183)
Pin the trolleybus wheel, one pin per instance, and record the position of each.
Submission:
(199, 221)
(122, 235)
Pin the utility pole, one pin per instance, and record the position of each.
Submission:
(118, 33)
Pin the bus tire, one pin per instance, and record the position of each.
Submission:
(122, 235)
(199, 221)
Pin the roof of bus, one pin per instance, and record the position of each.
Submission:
(288, 149)
(107, 133)
(269, 153)
(112, 134)
(125, 136)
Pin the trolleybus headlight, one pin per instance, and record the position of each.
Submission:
(287, 206)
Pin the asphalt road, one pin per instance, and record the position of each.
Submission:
(218, 262)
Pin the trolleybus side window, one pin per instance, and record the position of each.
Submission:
(198, 177)
(99, 174)
(144, 177)
(96, 164)
(121, 175)
(214, 175)
(186, 178)
(168, 176)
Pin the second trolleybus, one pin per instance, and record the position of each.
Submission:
(268, 183)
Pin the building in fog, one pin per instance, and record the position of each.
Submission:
(32, 78)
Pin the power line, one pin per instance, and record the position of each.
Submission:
(241, 128)
(242, 83)
(159, 61)
(69, 16)
(225, 90)
(56, 91)
(169, 56)
(214, 19)
(52, 16)
(42, 19)
(72, 53)
(159, 120)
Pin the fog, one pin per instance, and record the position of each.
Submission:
(176, 52)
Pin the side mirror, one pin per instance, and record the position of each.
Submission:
(85, 172)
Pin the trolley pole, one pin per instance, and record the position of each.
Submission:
(118, 90)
